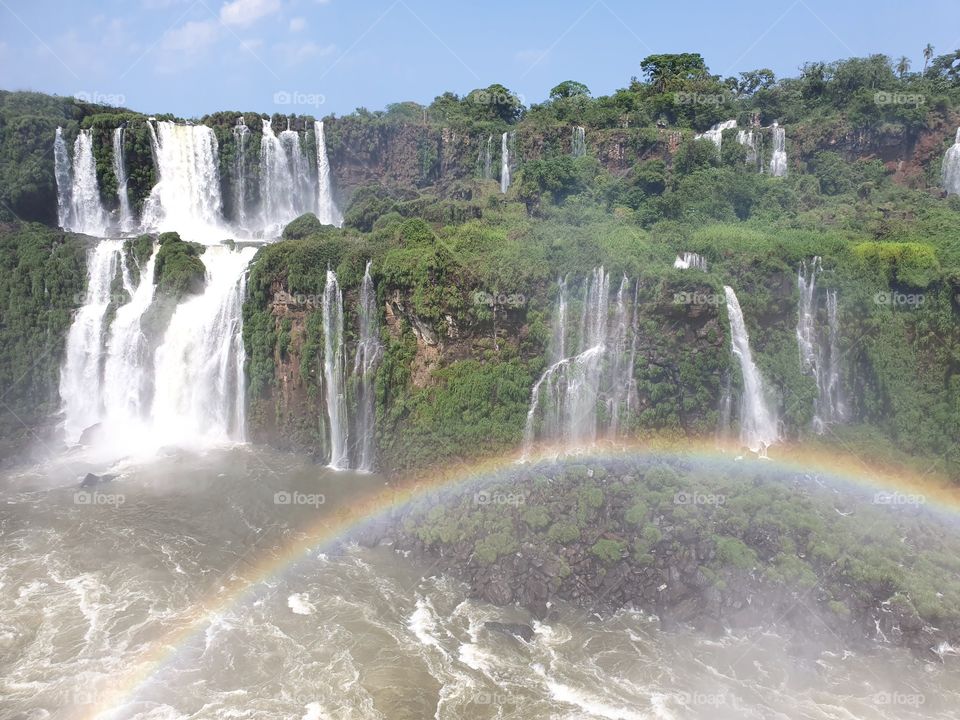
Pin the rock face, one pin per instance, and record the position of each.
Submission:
(689, 542)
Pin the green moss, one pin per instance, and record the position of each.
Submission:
(178, 270)
(608, 551)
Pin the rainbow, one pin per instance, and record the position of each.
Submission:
(823, 459)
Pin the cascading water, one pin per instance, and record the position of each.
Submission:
(715, 134)
(504, 162)
(690, 261)
(623, 352)
(579, 142)
(276, 182)
(302, 191)
(61, 168)
(241, 134)
(187, 197)
(951, 168)
(485, 159)
(327, 210)
(81, 377)
(725, 412)
(79, 208)
(569, 388)
(127, 222)
(778, 161)
(749, 141)
(333, 372)
(366, 361)
(819, 350)
(758, 422)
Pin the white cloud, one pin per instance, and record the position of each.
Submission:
(296, 53)
(297, 24)
(192, 37)
(246, 12)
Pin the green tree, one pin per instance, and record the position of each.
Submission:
(669, 71)
(569, 88)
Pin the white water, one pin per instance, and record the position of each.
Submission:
(79, 208)
(81, 377)
(366, 361)
(778, 161)
(276, 182)
(333, 353)
(327, 210)
(61, 169)
(127, 221)
(504, 162)
(749, 140)
(690, 261)
(578, 144)
(241, 133)
(758, 422)
(623, 354)
(715, 134)
(302, 194)
(485, 159)
(951, 168)
(186, 199)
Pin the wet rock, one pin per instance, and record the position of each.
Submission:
(90, 480)
(520, 630)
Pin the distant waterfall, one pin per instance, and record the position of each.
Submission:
(564, 400)
(333, 372)
(951, 168)
(81, 377)
(327, 210)
(578, 145)
(61, 168)
(715, 134)
(690, 261)
(504, 162)
(187, 196)
(485, 158)
(758, 422)
(748, 139)
(302, 194)
(725, 412)
(127, 223)
(623, 346)
(366, 361)
(819, 351)
(241, 133)
(277, 190)
(778, 161)
(79, 208)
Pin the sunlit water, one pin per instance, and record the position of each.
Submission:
(92, 593)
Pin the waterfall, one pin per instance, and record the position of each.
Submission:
(366, 361)
(715, 133)
(778, 161)
(327, 210)
(61, 167)
(725, 412)
(749, 141)
(485, 158)
(81, 377)
(621, 361)
(951, 168)
(758, 422)
(276, 182)
(333, 371)
(819, 350)
(187, 196)
(690, 261)
(504, 162)
(240, 134)
(302, 197)
(127, 224)
(569, 388)
(578, 144)
(199, 381)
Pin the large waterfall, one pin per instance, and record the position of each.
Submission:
(278, 191)
(79, 207)
(778, 161)
(126, 221)
(578, 144)
(146, 386)
(186, 198)
(504, 162)
(333, 362)
(819, 347)
(327, 210)
(758, 422)
(241, 134)
(951, 168)
(366, 361)
(563, 402)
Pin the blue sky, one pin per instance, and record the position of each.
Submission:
(319, 57)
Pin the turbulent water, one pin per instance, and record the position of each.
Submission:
(98, 592)
(951, 168)
(79, 207)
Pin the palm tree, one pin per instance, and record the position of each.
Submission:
(903, 66)
(927, 55)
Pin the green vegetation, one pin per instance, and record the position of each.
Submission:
(178, 271)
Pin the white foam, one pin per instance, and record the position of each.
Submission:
(300, 604)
